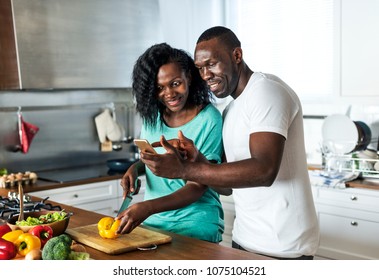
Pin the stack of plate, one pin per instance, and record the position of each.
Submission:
(341, 135)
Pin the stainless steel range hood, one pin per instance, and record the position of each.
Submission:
(82, 43)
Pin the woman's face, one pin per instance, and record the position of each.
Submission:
(173, 86)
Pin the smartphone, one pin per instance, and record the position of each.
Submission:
(144, 146)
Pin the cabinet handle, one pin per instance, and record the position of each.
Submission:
(353, 197)
(354, 223)
(76, 195)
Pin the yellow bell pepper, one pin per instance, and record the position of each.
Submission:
(107, 227)
(12, 235)
(27, 242)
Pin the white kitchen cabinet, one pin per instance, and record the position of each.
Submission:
(229, 214)
(359, 47)
(349, 223)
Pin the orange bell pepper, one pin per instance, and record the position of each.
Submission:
(12, 235)
(27, 242)
(107, 227)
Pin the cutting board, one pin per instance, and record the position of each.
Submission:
(138, 238)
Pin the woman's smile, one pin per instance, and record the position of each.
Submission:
(174, 102)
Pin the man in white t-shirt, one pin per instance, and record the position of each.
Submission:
(264, 147)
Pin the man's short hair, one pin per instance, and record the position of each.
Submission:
(225, 35)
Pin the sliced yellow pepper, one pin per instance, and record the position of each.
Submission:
(12, 235)
(107, 227)
(27, 242)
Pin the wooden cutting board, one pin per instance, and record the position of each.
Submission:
(138, 238)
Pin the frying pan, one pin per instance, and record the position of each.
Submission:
(120, 165)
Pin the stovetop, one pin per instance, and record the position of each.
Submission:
(10, 206)
(76, 173)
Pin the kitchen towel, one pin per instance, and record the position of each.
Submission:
(107, 127)
(27, 131)
(321, 178)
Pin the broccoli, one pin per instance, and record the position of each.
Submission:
(57, 248)
(78, 256)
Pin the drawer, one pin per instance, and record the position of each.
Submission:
(107, 207)
(81, 194)
(345, 237)
(348, 198)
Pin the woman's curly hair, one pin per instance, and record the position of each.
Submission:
(144, 83)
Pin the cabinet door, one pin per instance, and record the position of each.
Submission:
(348, 233)
(78, 195)
(108, 207)
(359, 48)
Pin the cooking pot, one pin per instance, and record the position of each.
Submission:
(341, 135)
(120, 165)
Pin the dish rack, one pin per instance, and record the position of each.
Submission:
(367, 168)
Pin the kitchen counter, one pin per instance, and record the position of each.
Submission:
(106, 176)
(357, 183)
(98, 174)
(180, 248)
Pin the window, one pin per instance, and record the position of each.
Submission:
(293, 39)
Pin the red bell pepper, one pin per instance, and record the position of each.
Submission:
(43, 232)
(4, 229)
(7, 250)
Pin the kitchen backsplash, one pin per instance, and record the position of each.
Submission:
(67, 133)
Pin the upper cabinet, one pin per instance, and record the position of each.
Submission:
(359, 47)
(76, 43)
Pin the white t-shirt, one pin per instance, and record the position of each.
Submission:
(279, 220)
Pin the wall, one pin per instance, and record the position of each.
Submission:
(67, 135)
(191, 17)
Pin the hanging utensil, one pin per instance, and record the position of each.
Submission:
(26, 131)
(21, 198)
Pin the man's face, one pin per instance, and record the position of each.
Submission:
(217, 67)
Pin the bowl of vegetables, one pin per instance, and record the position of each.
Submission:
(57, 220)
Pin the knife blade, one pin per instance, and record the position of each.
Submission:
(125, 204)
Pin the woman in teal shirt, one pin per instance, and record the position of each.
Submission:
(172, 97)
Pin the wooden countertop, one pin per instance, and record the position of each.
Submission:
(180, 248)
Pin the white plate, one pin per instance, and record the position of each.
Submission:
(340, 134)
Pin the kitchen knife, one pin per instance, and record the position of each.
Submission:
(125, 204)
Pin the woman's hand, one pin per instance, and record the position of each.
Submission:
(130, 182)
(133, 216)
